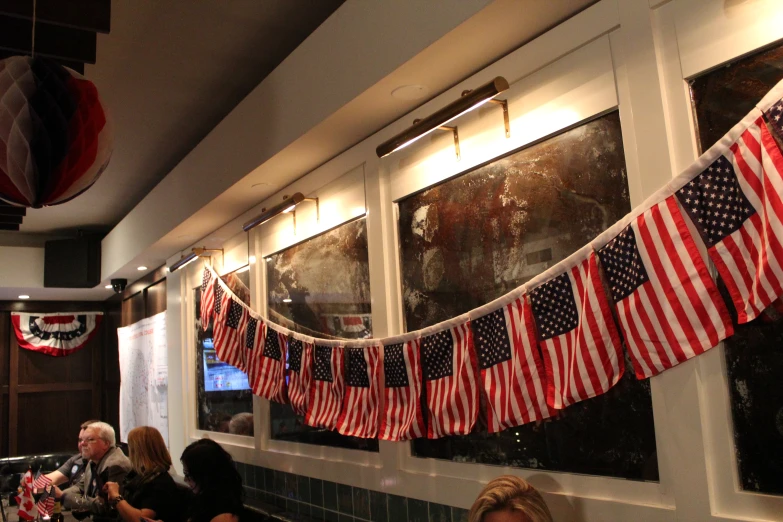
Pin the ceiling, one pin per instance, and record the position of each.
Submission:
(168, 73)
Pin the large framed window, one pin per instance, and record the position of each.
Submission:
(469, 240)
(754, 359)
(224, 399)
(321, 287)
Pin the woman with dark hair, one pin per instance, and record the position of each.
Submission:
(210, 472)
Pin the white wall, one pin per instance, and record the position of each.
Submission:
(630, 54)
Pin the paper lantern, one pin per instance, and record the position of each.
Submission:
(55, 136)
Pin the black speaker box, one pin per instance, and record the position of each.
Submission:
(72, 263)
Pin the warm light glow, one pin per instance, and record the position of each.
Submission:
(181, 266)
(108, 287)
(141, 268)
(417, 138)
(289, 209)
(287, 300)
(243, 269)
(24, 296)
(252, 259)
(358, 211)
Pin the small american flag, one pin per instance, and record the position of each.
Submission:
(668, 305)
(207, 297)
(774, 116)
(359, 417)
(41, 481)
(217, 298)
(578, 338)
(402, 418)
(254, 342)
(512, 374)
(449, 364)
(736, 206)
(270, 383)
(326, 388)
(46, 502)
(300, 372)
(229, 332)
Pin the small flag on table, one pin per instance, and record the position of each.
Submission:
(46, 502)
(359, 416)
(25, 499)
(512, 374)
(229, 331)
(207, 297)
(578, 338)
(668, 305)
(326, 388)
(449, 364)
(735, 203)
(402, 418)
(41, 481)
(300, 373)
(270, 382)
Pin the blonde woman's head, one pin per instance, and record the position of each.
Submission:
(147, 451)
(509, 499)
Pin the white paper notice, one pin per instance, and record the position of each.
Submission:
(144, 376)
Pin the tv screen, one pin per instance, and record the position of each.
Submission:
(220, 376)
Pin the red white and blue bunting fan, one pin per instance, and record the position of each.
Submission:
(55, 334)
(55, 136)
(643, 285)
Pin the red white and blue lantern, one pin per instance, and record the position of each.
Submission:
(55, 136)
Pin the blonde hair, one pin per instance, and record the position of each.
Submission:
(147, 451)
(510, 493)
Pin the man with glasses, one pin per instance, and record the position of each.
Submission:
(105, 462)
(69, 473)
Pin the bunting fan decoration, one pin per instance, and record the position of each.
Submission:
(550, 343)
(55, 137)
(58, 334)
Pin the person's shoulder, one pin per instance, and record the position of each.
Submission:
(225, 517)
(118, 458)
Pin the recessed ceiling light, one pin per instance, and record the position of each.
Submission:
(141, 268)
(286, 300)
(410, 92)
(24, 296)
(108, 287)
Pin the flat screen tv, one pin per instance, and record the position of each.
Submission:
(220, 376)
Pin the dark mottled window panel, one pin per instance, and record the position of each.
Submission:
(216, 408)
(327, 279)
(754, 357)
(473, 238)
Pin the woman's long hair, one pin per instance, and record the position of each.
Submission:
(147, 451)
(219, 484)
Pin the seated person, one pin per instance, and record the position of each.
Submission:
(217, 486)
(69, 473)
(105, 463)
(241, 424)
(148, 490)
(509, 499)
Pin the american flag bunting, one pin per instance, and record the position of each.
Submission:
(228, 331)
(512, 374)
(449, 365)
(359, 416)
(207, 297)
(735, 204)
(270, 381)
(668, 306)
(300, 373)
(326, 388)
(577, 335)
(402, 417)
(255, 332)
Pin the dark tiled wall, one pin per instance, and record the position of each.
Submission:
(324, 500)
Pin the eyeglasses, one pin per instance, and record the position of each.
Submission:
(91, 440)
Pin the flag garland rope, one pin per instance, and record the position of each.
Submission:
(553, 341)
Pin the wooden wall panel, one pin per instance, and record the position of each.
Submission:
(5, 325)
(49, 421)
(110, 369)
(3, 422)
(38, 368)
(156, 299)
(133, 309)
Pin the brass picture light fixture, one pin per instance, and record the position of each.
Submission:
(470, 99)
(194, 254)
(287, 205)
